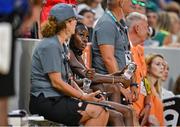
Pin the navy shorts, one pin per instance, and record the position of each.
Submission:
(61, 109)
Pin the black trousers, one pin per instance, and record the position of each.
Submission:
(7, 81)
(61, 109)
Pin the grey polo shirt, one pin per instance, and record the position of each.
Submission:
(106, 32)
(48, 57)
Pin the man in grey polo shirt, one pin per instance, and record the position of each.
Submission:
(110, 41)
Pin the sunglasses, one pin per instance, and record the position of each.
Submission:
(141, 3)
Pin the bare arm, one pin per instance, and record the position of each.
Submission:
(146, 110)
(79, 68)
(74, 85)
(76, 66)
(107, 53)
(60, 85)
(99, 78)
(147, 99)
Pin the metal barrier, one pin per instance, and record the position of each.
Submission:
(24, 50)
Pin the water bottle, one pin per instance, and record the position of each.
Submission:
(129, 71)
(86, 85)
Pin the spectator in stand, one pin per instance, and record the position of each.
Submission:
(141, 6)
(92, 4)
(88, 20)
(152, 15)
(164, 92)
(173, 7)
(168, 26)
(155, 68)
(52, 96)
(175, 29)
(163, 35)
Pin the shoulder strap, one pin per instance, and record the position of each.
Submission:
(66, 63)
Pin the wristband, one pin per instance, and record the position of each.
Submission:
(134, 84)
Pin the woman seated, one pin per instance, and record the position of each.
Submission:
(151, 87)
(77, 44)
(109, 83)
(52, 96)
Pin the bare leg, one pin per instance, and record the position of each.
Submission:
(115, 118)
(101, 120)
(94, 116)
(115, 96)
(3, 111)
(125, 110)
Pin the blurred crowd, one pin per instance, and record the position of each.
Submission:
(163, 17)
(101, 42)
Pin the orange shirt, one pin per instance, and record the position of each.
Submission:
(138, 57)
(156, 104)
(157, 109)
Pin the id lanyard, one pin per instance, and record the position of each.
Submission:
(128, 56)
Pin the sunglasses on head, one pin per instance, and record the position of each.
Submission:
(141, 3)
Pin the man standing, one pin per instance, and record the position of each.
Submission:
(111, 47)
(138, 32)
(110, 41)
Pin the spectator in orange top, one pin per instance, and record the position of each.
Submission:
(155, 68)
(138, 32)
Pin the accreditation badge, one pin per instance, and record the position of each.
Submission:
(128, 57)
